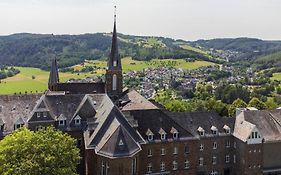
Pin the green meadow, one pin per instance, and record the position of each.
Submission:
(32, 80)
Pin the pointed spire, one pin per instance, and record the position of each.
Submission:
(114, 60)
(54, 74)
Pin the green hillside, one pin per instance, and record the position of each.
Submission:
(35, 80)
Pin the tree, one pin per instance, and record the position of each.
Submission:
(46, 151)
(270, 104)
(238, 103)
(255, 102)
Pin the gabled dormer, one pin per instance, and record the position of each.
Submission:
(61, 121)
(19, 123)
(201, 131)
(175, 133)
(77, 120)
(227, 129)
(255, 136)
(149, 135)
(163, 134)
(214, 130)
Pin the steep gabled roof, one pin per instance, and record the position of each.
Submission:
(117, 142)
(54, 73)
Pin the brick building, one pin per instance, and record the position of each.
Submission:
(119, 132)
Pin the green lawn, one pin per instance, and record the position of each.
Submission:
(276, 76)
(23, 81)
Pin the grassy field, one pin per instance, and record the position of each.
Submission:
(276, 76)
(23, 82)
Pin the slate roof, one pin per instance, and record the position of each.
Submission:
(191, 121)
(111, 127)
(68, 106)
(156, 120)
(14, 107)
(134, 101)
(268, 123)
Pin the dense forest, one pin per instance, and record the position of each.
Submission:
(37, 50)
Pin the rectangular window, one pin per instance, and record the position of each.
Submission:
(253, 135)
(162, 166)
(201, 147)
(149, 168)
(175, 165)
(228, 144)
(214, 160)
(150, 137)
(234, 158)
(175, 150)
(163, 136)
(134, 166)
(234, 144)
(256, 135)
(44, 114)
(227, 159)
(175, 135)
(77, 121)
(201, 161)
(38, 114)
(215, 145)
(186, 149)
(61, 122)
(104, 167)
(163, 151)
(149, 153)
(186, 164)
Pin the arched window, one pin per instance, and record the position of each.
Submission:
(114, 82)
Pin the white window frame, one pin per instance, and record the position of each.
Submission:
(162, 166)
(201, 147)
(175, 165)
(77, 121)
(214, 172)
(227, 158)
(38, 114)
(163, 136)
(214, 160)
(186, 164)
(175, 150)
(175, 135)
(149, 152)
(150, 137)
(149, 168)
(201, 161)
(163, 151)
(63, 122)
(215, 145)
(45, 114)
(227, 144)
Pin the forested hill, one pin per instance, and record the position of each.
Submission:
(37, 50)
(246, 49)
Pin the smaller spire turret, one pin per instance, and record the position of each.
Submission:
(54, 76)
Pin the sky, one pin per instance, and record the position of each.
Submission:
(178, 19)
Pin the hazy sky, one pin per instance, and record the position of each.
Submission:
(179, 19)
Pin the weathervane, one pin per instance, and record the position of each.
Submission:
(115, 9)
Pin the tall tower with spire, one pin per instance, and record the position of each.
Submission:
(114, 76)
(54, 76)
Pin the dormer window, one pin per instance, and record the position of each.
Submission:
(214, 130)
(226, 129)
(44, 114)
(162, 134)
(149, 134)
(19, 124)
(77, 120)
(61, 122)
(38, 114)
(201, 131)
(175, 133)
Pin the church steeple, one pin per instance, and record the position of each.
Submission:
(54, 76)
(114, 76)
(114, 61)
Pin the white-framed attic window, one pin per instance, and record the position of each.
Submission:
(77, 120)
(201, 131)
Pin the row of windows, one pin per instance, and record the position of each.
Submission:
(163, 136)
(215, 145)
(39, 114)
(187, 164)
(63, 122)
(163, 168)
(254, 135)
(214, 130)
